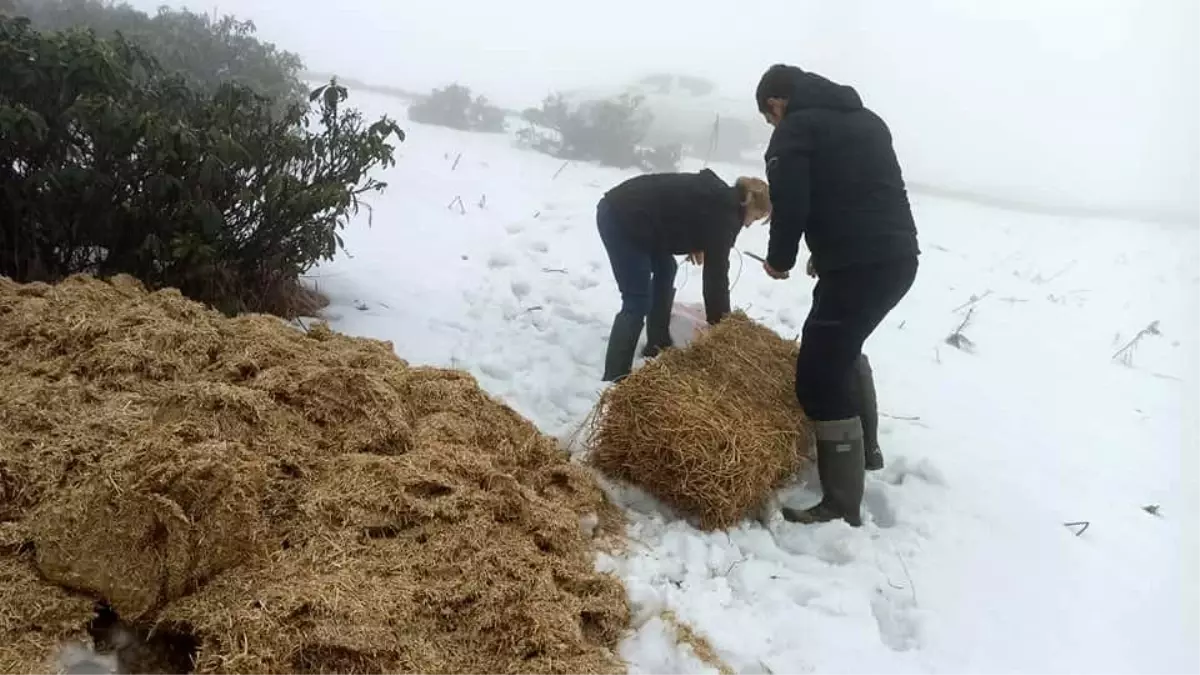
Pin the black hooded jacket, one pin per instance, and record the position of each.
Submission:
(835, 180)
(679, 213)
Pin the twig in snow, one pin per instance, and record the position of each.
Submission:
(1153, 509)
(912, 586)
(550, 270)
(1124, 355)
(457, 200)
(957, 339)
(1164, 376)
(483, 202)
(560, 170)
(1081, 524)
(536, 214)
(914, 418)
(535, 308)
(456, 161)
(1037, 279)
(734, 564)
(302, 325)
(969, 303)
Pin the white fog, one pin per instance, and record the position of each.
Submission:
(1073, 105)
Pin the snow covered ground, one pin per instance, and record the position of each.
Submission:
(484, 257)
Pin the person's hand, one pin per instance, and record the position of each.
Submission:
(774, 273)
(696, 257)
(812, 271)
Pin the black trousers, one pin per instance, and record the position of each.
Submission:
(848, 305)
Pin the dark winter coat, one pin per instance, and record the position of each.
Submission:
(835, 180)
(679, 213)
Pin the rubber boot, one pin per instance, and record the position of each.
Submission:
(869, 411)
(622, 344)
(658, 324)
(841, 470)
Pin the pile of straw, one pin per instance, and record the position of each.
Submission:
(297, 502)
(711, 429)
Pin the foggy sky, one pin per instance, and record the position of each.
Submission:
(1092, 103)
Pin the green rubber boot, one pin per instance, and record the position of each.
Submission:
(658, 324)
(868, 411)
(841, 470)
(622, 344)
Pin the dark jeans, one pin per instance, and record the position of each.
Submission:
(641, 275)
(848, 304)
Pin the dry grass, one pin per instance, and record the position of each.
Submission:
(300, 502)
(710, 429)
(701, 647)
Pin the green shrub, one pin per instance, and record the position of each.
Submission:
(209, 52)
(112, 165)
(453, 106)
(606, 131)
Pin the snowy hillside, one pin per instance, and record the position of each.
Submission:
(484, 257)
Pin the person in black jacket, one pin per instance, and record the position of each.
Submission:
(644, 223)
(835, 180)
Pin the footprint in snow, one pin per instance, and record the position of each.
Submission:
(585, 282)
(878, 505)
(495, 371)
(500, 260)
(902, 469)
(897, 616)
(521, 288)
(573, 315)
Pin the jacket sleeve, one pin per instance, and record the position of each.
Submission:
(788, 177)
(716, 284)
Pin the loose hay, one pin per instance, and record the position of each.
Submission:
(301, 502)
(711, 429)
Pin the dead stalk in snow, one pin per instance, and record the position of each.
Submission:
(957, 339)
(1037, 279)
(1081, 524)
(1124, 355)
(971, 303)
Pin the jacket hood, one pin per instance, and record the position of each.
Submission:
(813, 91)
(711, 175)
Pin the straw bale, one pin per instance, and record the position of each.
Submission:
(297, 501)
(711, 429)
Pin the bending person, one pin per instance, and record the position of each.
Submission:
(644, 223)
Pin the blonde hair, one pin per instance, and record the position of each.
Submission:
(755, 196)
